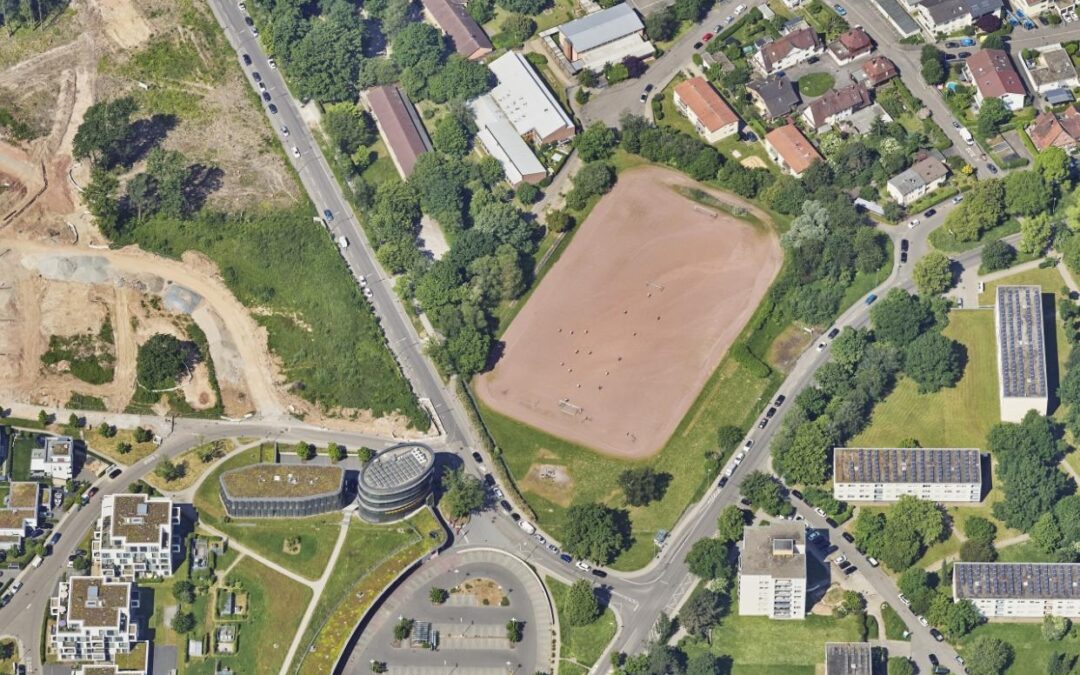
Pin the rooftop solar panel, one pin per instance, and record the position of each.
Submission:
(1028, 581)
(907, 465)
(1021, 341)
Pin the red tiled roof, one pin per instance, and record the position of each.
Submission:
(1050, 130)
(993, 73)
(711, 110)
(878, 69)
(467, 35)
(805, 38)
(796, 151)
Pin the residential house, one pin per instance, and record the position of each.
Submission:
(54, 459)
(1051, 69)
(94, 619)
(134, 536)
(787, 51)
(852, 44)
(878, 70)
(835, 105)
(950, 16)
(196, 646)
(1019, 590)
(450, 17)
(772, 571)
(917, 181)
(399, 126)
(21, 515)
(711, 116)
(886, 474)
(604, 37)
(791, 151)
(774, 96)
(226, 639)
(993, 74)
(1057, 130)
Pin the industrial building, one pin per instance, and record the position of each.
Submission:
(94, 620)
(772, 571)
(886, 474)
(1021, 353)
(395, 482)
(399, 126)
(282, 490)
(1019, 590)
(849, 658)
(134, 537)
(604, 37)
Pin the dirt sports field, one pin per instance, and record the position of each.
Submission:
(616, 343)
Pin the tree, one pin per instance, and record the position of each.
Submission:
(170, 471)
(104, 131)
(123, 447)
(183, 622)
(662, 25)
(643, 485)
(1055, 628)
(592, 180)
(514, 632)
(169, 169)
(988, 655)
(418, 45)
(143, 435)
(335, 452)
(615, 73)
(704, 663)
(184, 591)
(438, 596)
(934, 362)
(462, 494)
(1026, 193)
(403, 628)
(852, 603)
(922, 517)
(365, 454)
(900, 665)
(459, 79)
(708, 559)
(730, 524)
(764, 493)
(998, 255)
(701, 612)
(933, 67)
(596, 142)
(992, 116)
(587, 77)
(805, 458)
(1053, 164)
(728, 437)
(1046, 534)
(596, 532)
(1036, 233)
(106, 430)
(958, 618)
(348, 127)
(7, 650)
(558, 221)
(1059, 663)
(635, 65)
(517, 28)
(161, 360)
(527, 193)
(582, 607)
(849, 346)
(978, 550)
(142, 195)
(531, 7)
(977, 527)
(100, 199)
(305, 451)
(933, 273)
(43, 417)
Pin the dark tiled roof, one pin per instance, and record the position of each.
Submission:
(467, 35)
(1028, 581)
(906, 465)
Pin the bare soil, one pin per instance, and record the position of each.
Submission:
(619, 338)
(551, 481)
(486, 591)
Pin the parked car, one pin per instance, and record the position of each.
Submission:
(832, 523)
(91, 492)
(583, 566)
(904, 600)
(956, 125)
(840, 10)
(818, 510)
(779, 400)
(840, 560)
(599, 573)
(770, 412)
(870, 299)
(762, 423)
(903, 257)
(55, 538)
(913, 223)
(266, 96)
(248, 21)
(645, 92)
(246, 58)
(272, 108)
(748, 444)
(506, 506)
(271, 62)
(515, 516)
(706, 37)
(833, 333)
(929, 213)
(849, 570)
(936, 634)
(847, 537)
(723, 481)
(960, 659)
(115, 471)
(872, 560)
(565, 557)
(923, 621)
(489, 480)
(477, 457)
(328, 215)
(295, 151)
(991, 168)
(796, 494)
(904, 244)
(951, 45)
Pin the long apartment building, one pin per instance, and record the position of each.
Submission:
(134, 537)
(94, 619)
(1019, 590)
(772, 571)
(20, 515)
(1021, 353)
(886, 474)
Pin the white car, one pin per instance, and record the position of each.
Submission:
(821, 346)
(527, 526)
(914, 223)
(242, 6)
(872, 560)
(739, 9)
(295, 151)
(583, 566)
(840, 559)
(923, 621)
(262, 86)
(284, 130)
(740, 456)
(273, 64)
(820, 512)
(368, 294)
(363, 281)
(904, 600)
(342, 242)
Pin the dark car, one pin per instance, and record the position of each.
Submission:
(833, 333)
(697, 45)
(248, 21)
(744, 501)
(598, 573)
(489, 480)
(256, 76)
(266, 96)
(964, 55)
(991, 168)
(928, 213)
(762, 423)
(328, 215)
(37, 533)
(780, 400)
(723, 482)
(505, 506)
(515, 517)
(848, 538)
(115, 472)
(843, 565)
(55, 538)
(91, 492)
(903, 257)
(770, 412)
(936, 634)
(476, 456)
(831, 523)
(272, 108)
(565, 557)
(796, 494)
(904, 244)
(934, 660)
(247, 59)
(952, 45)
(849, 570)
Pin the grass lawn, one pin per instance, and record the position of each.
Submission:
(382, 169)
(276, 605)
(1031, 651)
(1023, 552)
(372, 558)
(815, 84)
(107, 447)
(267, 535)
(20, 456)
(957, 417)
(581, 645)
(193, 466)
(758, 645)
(943, 240)
(8, 665)
(894, 625)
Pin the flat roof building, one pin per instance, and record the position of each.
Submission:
(528, 104)
(711, 116)
(20, 515)
(399, 126)
(94, 619)
(604, 37)
(1052, 68)
(282, 490)
(501, 140)
(886, 474)
(54, 458)
(395, 482)
(1019, 590)
(1021, 352)
(849, 658)
(451, 18)
(134, 537)
(772, 571)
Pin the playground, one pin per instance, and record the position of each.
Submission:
(619, 338)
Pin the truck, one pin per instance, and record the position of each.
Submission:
(966, 135)
(36, 562)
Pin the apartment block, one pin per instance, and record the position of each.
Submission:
(134, 537)
(772, 571)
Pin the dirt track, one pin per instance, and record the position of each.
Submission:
(634, 317)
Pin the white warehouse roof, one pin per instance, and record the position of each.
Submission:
(502, 141)
(602, 27)
(525, 99)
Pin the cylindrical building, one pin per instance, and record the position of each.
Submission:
(395, 483)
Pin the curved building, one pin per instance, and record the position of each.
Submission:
(282, 490)
(395, 483)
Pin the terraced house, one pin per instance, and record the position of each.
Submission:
(134, 537)
(94, 620)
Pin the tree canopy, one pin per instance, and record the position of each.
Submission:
(596, 532)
